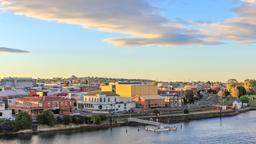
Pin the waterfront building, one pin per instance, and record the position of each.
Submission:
(173, 101)
(147, 102)
(18, 83)
(36, 105)
(5, 114)
(237, 104)
(128, 89)
(105, 102)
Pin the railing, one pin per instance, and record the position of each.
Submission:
(146, 122)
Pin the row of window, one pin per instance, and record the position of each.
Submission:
(89, 99)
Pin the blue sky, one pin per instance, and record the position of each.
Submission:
(171, 40)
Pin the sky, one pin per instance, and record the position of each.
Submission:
(169, 40)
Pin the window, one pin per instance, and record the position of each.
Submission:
(104, 99)
(100, 99)
(108, 99)
(1, 114)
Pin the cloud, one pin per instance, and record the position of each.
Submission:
(139, 21)
(11, 50)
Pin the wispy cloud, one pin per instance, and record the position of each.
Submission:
(11, 50)
(140, 21)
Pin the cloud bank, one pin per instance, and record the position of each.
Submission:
(140, 21)
(11, 50)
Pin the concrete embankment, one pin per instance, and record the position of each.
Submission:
(174, 118)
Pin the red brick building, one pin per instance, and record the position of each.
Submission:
(147, 102)
(36, 105)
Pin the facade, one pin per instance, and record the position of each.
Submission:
(36, 105)
(19, 83)
(172, 100)
(4, 114)
(147, 102)
(237, 104)
(131, 89)
(105, 102)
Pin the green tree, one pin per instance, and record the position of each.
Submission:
(96, 119)
(156, 112)
(87, 119)
(66, 119)
(189, 96)
(77, 119)
(244, 99)
(46, 118)
(23, 121)
(241, 90)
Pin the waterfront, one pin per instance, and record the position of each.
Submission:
(237, 129)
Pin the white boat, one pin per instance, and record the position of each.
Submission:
(161, 129)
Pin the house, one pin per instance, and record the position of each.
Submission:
(105, 102)
(5, 114)
(172, 100)
(237, 104)
(36, 105)
(19, 83)
(152, 101)
(130, 89)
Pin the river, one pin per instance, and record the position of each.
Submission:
(230, 130)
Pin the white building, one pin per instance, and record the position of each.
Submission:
(106, 102)
(237, 104)
(19, 83)
(5, 114)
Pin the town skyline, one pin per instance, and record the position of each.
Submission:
(167, 40)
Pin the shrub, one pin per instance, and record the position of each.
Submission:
(59, 120)
(47, 118)
(244, 99)
(23, 121)
(87, 120)
(66, 119)
(186, 111)
(7, 126)
(77, 119)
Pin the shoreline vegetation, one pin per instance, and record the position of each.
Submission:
(122, 121)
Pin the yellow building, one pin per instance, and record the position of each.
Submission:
(131, 90)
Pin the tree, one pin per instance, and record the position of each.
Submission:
(66, 119)
(77, 119)
(23, 121)
(87, 120)
(231, 83)
(234, 92)
(241, 90)
(250, 86)
(156, 112)
(7, 126)
(96, 119)
(189, 96)
(46, 118)
(244, 99)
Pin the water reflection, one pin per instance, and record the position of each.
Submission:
(230, 130)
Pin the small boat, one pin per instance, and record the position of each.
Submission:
(161, 129)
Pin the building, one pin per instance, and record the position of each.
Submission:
(105, 102)
(5, 114)
(147, 102)
(130, 89)
(172, 100)
(19, 83)
(237, 104)
(36, 105)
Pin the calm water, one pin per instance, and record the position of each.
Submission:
(232, 130)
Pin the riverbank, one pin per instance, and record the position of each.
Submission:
(166, 118)
(176, 118)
